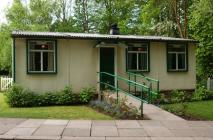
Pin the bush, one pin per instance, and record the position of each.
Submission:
(178, 96)
(67, 97)
(86, 94)
(20, 97)
(201, 93)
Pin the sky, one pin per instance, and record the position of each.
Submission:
(3, 5)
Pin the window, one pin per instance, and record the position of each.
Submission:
(41, 56)
(177, 57)
(138, 57)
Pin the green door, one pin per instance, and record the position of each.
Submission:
(107, 65)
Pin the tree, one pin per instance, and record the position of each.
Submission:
(41, 14)
(5, 50)
(180, 10)
(201, 26)
(18, 16)
(64, 21)
(119, 11)
(84, 15)
(165, 17)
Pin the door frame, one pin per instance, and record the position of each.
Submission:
(115, 62)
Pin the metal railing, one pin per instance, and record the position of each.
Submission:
(117, 88)
(153, 84)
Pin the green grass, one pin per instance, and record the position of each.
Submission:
(196, 110)
(53, 112)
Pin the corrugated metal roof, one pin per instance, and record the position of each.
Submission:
(28, 34)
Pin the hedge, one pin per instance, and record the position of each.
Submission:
(17, 96)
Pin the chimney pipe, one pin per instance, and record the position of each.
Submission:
(114, 30)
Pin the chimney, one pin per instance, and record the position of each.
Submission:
(114, 30)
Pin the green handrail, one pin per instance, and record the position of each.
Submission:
(141, 75)
(124, 79)
(148, 79)
(130, 82)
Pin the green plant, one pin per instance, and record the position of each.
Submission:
(67, 97)
(177, 96)
(201, 93)
(20, 97)
(86, 94)
(120, 109)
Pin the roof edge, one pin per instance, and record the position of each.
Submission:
(87, 36)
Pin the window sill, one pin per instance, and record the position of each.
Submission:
(177, 70)
(138, 71)
(54, 72)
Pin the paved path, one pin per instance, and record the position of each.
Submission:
(150, 111)
(39, 129)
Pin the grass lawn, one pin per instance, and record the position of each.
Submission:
(53, 112)
(202, 110)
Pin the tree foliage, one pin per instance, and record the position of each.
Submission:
(84, 15)
(64, 21)
(41, 14)
(201, 25)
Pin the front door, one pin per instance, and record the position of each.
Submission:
(107, 65)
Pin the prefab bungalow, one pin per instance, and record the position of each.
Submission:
(46, 61)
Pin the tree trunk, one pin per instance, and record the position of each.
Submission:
(185, 18)
(177, 17)
(85, 16)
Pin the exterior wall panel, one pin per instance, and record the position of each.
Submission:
(76, 66)
(158, 68)
(78, 63)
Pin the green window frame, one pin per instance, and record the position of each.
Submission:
(138, 57)
(41, 56)
(177, 57)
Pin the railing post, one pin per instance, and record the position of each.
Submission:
(150, 93)
(158, 85)
(135, 84)
(101, 92)
(129, 83)
(142, 102)
(117, 88)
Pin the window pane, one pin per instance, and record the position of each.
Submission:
(48, 61)
(38, 45)
(172, 61)
(181, 61)
(137, 47)
(132, 61)
(142, 61)
(176, 48)
(35, 61)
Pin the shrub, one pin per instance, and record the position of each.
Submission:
(67, 97)
(175, 96)
(20, 97)
(178, 96)
(47, 99)
(86, 94)
(201, 93)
